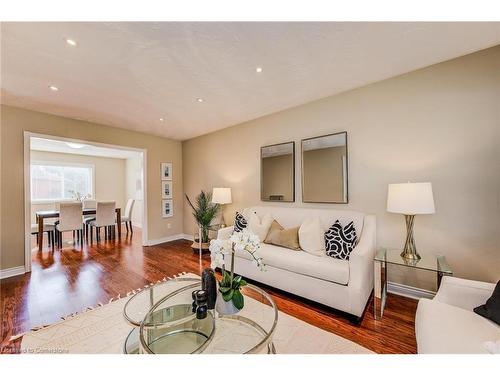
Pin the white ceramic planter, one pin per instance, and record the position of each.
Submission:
(223, 307)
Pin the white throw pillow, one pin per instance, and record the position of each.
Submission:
(312, 237)
(492, 347)
(259, 226)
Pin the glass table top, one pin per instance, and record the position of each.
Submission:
(430, 262)
(171, 327)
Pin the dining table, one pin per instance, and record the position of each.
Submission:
(49, 214)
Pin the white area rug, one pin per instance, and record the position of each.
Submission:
(104, 330)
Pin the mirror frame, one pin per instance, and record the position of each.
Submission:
(346, 167)
(293, 173)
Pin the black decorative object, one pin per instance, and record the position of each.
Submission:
(193, 296)
(209, 284)
(201, 304)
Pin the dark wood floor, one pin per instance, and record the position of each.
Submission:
(68, 281)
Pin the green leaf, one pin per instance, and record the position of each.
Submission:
(238, 300)
(227, 296)
(224, 289)
(243, 283)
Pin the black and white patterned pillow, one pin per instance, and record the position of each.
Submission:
(239, 222)
(340, 241)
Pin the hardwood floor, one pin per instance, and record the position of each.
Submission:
(68, 281)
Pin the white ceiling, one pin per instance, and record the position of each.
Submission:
(131, 74)
(52, 145)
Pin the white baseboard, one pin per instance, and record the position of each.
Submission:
(188, 237)
(180, 236)
(409, 291)
(9, 272)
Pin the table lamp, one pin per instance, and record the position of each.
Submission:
(410, 199)
(221, 196)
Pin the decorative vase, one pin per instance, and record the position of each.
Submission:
(209, 284)
(223, 307)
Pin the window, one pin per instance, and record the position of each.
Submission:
(58, 181)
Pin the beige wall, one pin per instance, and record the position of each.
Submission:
(439, 124)
(277, 172)
(109, 177)
(323, 174)
(14, 121)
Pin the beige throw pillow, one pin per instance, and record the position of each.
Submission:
(280, 236)
(312, 237)
(258, 226)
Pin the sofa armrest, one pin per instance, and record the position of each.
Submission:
(361, 258)
(463, 293)
(225, 233)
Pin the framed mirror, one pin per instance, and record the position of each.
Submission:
(324, 169)
(277, 172)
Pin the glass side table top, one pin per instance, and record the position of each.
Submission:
(430, 262)
(140, 303)
(249, 331)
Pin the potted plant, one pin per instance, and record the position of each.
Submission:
(204, 211)
(229, 298)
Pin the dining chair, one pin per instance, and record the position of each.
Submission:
(88, 204)
(127, 218)
(105, 217)
(49, 228)
(70, 219)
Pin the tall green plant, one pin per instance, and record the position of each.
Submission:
(204, 211)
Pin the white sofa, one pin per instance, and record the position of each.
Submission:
(341, 284)
(447, 324)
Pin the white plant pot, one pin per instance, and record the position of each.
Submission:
(223, 307)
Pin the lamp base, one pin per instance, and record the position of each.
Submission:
(410, 250)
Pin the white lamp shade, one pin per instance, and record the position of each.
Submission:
(221, 195)
(410, 198)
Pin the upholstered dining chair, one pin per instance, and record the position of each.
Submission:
(87, 205)
(127, 217)
(70, 219)
(105, 217)
(49, 228)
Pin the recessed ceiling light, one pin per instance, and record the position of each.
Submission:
(161, 119)
(53, 88)
(75, 145)
(259, 69)
(71, 42)
(199, 100)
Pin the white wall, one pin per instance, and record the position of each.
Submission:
(134, 188)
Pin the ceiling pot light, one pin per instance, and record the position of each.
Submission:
(71, 42)
(75, 145)
(199, 100)
(161, 119)
(259, 69)
(53, 88)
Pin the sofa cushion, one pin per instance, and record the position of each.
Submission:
(291, 217)
(442, 328)
(301, 262)
(240, 222)
(260, 226)
(280, 236)
(340, 241)
(312, 237)
(491, 309)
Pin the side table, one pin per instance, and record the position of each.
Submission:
(429, 262)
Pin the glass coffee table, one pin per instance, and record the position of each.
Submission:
(170, 327)
(428, 262)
